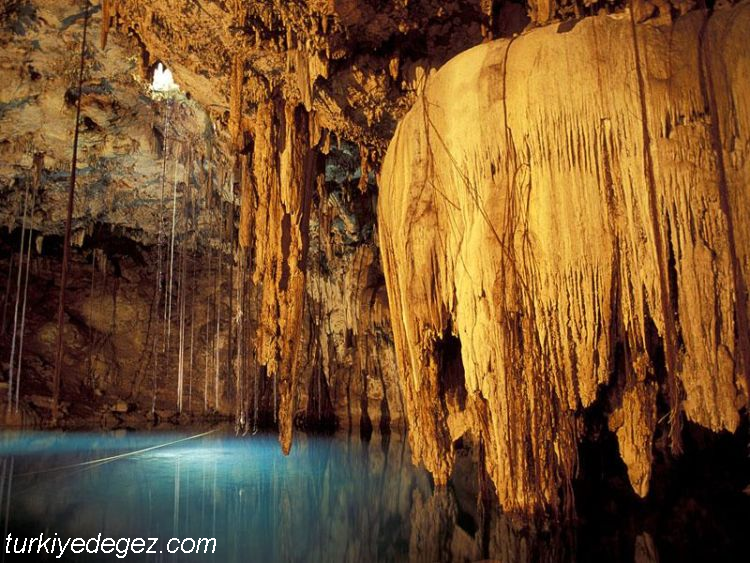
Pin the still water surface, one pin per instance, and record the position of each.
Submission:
(332, 499)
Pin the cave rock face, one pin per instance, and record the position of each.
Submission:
(563, 225)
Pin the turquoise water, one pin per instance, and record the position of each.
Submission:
(331, 499)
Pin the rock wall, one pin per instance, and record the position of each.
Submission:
(349, 336)
(563, 226)
(239, 189)
(130, 143)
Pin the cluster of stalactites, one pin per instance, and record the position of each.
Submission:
(581, 230)
(276, 179)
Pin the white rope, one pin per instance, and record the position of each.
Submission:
(115, 457)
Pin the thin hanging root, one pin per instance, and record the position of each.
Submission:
(319, 307)
(168, 304)
(230, 347)
(255, 388)
(208, 333)
(68, 223)
(160, 257)
(275, 399)
(7, 294)
(182, 295)
(238, 367)
(26, 283)
(192, 291)
(240, 341)
(179, 346)
(208, 353)
(18, 298)
(90, 367)
(192, 322)
(320, 383)
(218, 304)
(181, 368)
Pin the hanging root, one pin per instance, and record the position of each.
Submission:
(37, 175)
(18, 299)
(68, 222)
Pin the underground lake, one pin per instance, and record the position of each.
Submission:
(218, 497)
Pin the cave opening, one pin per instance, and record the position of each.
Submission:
(162, 82)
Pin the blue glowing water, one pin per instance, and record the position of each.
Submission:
(331, 499)
(334, 499)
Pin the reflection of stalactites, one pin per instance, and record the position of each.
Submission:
(645, 549)
(433, 522)
(176, 509)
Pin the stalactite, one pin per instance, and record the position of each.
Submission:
(662, 253)
(547, 229)
(709, 92)
(284, 187)
(109, 12)
(68, 222)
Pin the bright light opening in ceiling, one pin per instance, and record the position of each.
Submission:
(163, 82)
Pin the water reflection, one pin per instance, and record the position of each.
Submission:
(331, 499)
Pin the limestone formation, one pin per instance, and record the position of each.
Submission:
(559, 218)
